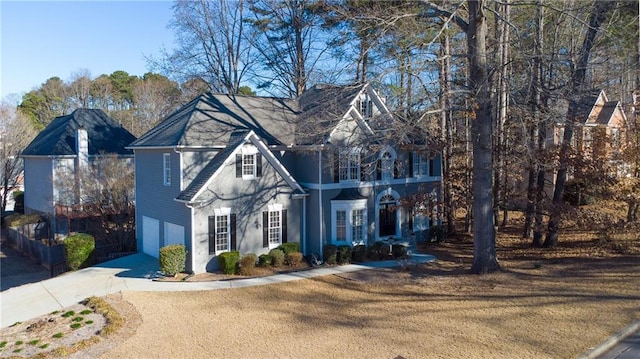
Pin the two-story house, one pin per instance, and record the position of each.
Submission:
(57, 157)
(249, 173)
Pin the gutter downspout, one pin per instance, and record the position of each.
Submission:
(320, 199)
(304, 225)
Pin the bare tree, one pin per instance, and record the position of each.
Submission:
(16, 131)
(211, 44)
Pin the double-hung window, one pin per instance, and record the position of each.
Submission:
(341, 226)
(420, 164)
(166, 169)
(349, 167)
(249, 163)
(274, 222)
(221, 231)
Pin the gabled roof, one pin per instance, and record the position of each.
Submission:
(210, 171)
(604, 113)
(596, 109)
(59, 137)
(208, 120)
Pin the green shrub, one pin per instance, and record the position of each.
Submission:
(293, 259)
(17, 220)
(359, 253)
(264, 260)
(173, 259)
(330, 254)
(247, 264)
(290, 247)
(79, 249)
(378, 250)
(18, 198)
(436, 233)
(277, 257)
(344, 254)
(228, 261)
(398, 251)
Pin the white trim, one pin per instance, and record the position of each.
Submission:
(276, 207)
(367, 184)
(349, 206)
(396, 195)
(220, 212)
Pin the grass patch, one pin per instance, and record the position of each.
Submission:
(88, 322)
(55, 312)
(3, 344)
(58, 335)
(69, 314)
(44, 346)
(34, 342)
(75, 326)
(77, 319)
(114, 320)
(85, 312)
(19, 342)
(17, 350)
(14, 324)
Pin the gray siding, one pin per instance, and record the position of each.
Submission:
(155, 200)
(193, 163)
(38, 184)
(247, 199)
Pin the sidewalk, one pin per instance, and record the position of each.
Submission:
(135, 273)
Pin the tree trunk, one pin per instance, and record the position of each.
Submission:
(446, 128)
(484, 239)
(596, 17)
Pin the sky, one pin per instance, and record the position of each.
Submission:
(43, 39)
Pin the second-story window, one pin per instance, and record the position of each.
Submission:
(420, 164)
(249, 163)
(349, 166)
(166, 169)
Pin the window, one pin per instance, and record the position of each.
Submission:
(357, 221)
(274, 224)
(166, 168)
(365, 107)
(349, 221)
(221, 231)
(386, 166)
(349, 166)
(249, 163)
(420, 164)
(341, 226)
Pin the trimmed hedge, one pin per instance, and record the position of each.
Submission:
(378, 250)
(293, 258)
(290, 247)
(247, 264)
(359, 253)
(398, 251)
(173, 259)
(228, 261)
(330, 254)
(344, 254)
(436, 233)
(17, 220)
(277, 257)
(18, 198)
(264, 260)
(79, 249)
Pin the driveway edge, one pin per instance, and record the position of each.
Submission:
(609, 343)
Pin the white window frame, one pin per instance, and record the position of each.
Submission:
(341, 226)
(421, 164)
(220, 213)
(274, 228)
(387, 158)
(249, 170)
(349, 165)
(166, 169)
(350, 208)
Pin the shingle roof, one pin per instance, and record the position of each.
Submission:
(208, 120)
(605, 113)
(59, 137)
(189, 193)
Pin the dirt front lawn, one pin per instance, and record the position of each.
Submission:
(543, 304)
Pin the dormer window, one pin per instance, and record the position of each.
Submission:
(365, 107)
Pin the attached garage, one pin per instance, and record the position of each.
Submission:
(151, 236)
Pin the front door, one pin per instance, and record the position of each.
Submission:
(387, 219)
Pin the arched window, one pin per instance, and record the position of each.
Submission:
(387, 164)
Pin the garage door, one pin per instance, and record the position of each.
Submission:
(173, 233)
(150, 236)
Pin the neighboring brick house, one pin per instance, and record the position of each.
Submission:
(249, 173)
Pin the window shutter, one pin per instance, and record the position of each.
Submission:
(284, 226)
(336, 167)
(379, 170)
(410, 164)
(232, 230)
(265, 229)
(238, 166)
(431, 166)
(212, 234)
(258, 165)
(396, 170)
